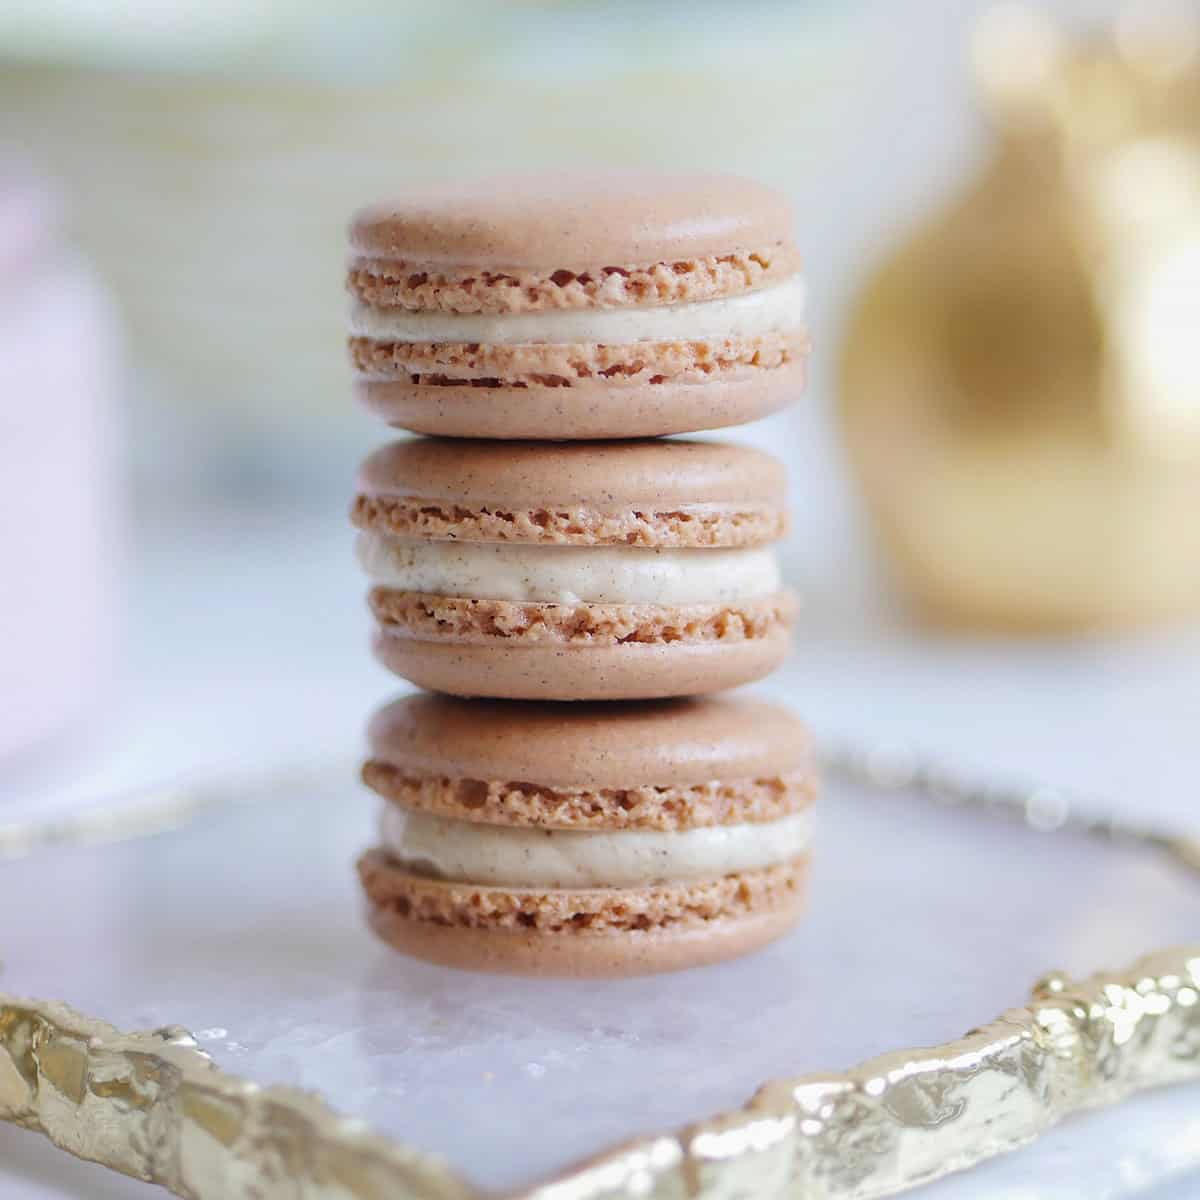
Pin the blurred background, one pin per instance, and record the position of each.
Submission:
(995, 471)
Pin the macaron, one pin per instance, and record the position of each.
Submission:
(602, 305)
(574, 570)
(587, 839)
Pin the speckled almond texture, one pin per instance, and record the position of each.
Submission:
(566, 913)
(666, 808)
(469, 621)
(524, 243)
(427, 287)
(416, 519)
(555, 364)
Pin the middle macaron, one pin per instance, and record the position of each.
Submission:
(574, 571)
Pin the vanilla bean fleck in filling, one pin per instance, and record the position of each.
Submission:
(511, 856)
(766, 310)
(571, 574)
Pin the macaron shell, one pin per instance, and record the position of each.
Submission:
(607, 476)
(395, 284)
(461, 619)
(663, 808)
(543, 671)
(589, 409)
(525, 366)
(596, 932)
(574, 221)
(660, 742)
(600, 956)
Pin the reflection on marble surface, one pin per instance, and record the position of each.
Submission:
(245, 928)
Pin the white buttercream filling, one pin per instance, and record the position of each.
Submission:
(571, 574)
(511, 856)
(767, 310)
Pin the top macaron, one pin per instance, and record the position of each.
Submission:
(577, 306)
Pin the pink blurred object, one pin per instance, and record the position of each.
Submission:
(58, 366)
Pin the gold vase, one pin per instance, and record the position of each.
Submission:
(1020, 383)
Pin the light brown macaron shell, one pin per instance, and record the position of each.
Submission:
(640, 496)
(523, 247)
(662, 766)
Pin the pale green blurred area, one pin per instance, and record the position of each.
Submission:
(317, 39)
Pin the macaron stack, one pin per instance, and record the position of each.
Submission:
(575, 802)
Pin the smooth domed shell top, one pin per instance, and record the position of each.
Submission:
(603, 475)
(574, 221)
(660, 743)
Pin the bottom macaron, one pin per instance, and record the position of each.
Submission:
(588, 839)
(586, 933)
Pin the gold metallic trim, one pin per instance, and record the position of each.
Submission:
(153, 1106)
